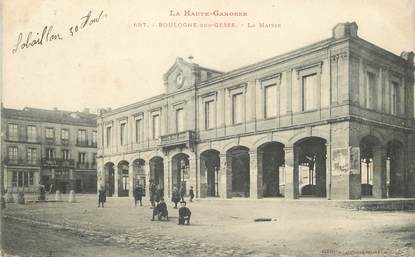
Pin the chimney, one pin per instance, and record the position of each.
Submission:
(55, 108)
(190, 58)
(86, 110)
(347, 29)
(408, 56)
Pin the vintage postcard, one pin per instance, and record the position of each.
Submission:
(207, 128)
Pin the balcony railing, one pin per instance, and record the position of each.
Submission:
(58, 162)
(185, 137)
(21, 162)
(85, 143)
(82, 165)
(49, 140)
(23, 138)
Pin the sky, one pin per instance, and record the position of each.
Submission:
(114, 62)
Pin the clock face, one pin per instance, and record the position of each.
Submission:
(179, 80)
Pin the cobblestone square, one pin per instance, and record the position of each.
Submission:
(218, 228)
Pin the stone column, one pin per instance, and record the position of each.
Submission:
(291, 174)
(116, 182)
(379, 172)
(255, 187)
(203, 178)
(345, 173)
(167, 177)
(193, 175)
(131, 180)
(328, 170)
(320, 175)
(147, 180)
(225, 176)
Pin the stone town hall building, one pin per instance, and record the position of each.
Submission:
(334, 119)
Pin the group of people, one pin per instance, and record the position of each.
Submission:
(157, 201)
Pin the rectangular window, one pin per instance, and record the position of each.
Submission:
(94, 158)
(26, 179)
(13, 153)
(180, 120)
(109, 136)
(94, 138)
(31, 155)
(31, 133)
(394, 98)
(138, 130)
(82, 158)
(14, 179)
(20, 179)
(31, 178)
(65, 154)
(81, 136)
(50, 153)
(123, 133)
(309, 92)
(13, 131)
(50, 133)
(369, 90)
(156, 126)
(271, 101)
(237, 108)
(65, 135)
(209, 114)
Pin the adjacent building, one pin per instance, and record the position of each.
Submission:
(334, 119)
(53, 148)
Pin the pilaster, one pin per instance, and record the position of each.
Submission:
(225, 176)
(255, 187)
(291, 174)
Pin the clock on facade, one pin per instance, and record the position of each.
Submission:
(179, 80)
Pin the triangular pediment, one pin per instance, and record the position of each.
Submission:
(179, 76)
(179, 64)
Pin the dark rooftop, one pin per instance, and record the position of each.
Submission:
(53, 116)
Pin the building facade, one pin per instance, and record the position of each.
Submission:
(334, 119)
(53, 148)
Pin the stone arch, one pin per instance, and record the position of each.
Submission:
(270, 168)
(123, 178)
(156, 176)
(235, 143)
(139, 175)
(209, 173)
(395, 169)
(310, 165)
(373, 136)
(238, 170)
(304, 135)
(266, 139)
(373, 165)
(209, 146)
(108, 178)
(180, 171)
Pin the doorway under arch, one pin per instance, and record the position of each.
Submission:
(311, 160)
(157, 171)
(209, 173)
(240, 160)
(272, 161)
(123, 179)
(109, 175)
(139, 176)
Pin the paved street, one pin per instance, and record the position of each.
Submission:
(219, 228)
